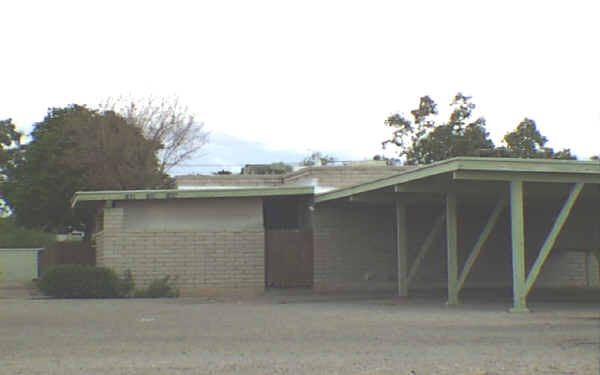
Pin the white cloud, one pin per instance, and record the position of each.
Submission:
(318, 75)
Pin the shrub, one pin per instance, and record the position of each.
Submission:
(126, 285)
(80, 281)
(11, 235)
(158, 288)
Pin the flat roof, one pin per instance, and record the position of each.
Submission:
(123, 195)
(461, 168)
(483, 169)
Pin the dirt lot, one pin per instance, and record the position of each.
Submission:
(301, 334)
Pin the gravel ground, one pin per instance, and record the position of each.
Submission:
(297, 334)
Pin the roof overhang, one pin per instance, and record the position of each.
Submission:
(461, 169)
(482, 169)
(125, 195)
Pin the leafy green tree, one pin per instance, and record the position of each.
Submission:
(527, 142)
(13, 236)
(72, 149)
(564, 154)
(10, 138)
(423, 140)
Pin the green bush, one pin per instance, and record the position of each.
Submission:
(79, 281)
(158, 288)
(126, 285)
(11, 235)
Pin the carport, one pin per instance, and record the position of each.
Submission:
(541, 203)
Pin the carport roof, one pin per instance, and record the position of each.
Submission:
(483, 169)
(82, 196)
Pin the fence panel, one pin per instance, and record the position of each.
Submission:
(289, 258)
(66, 253)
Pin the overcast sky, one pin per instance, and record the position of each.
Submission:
(278, 79)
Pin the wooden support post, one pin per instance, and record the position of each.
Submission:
(551, 238)
(485, 234)
(402, 248)
(435, 230)
(452, 247)
(517, 230)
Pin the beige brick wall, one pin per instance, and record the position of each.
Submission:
(111, 238)
(493, 268)
(98, 243)
(341, 176)
(205, 263)
(332, 176)
(228, 180)
(353, 248)
(564, 269)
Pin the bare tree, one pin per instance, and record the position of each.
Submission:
(165, 122)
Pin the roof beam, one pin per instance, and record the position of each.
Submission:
(390, 198)
(477, 168)
(456, 187)
(525, 176)
(409, 175)
(124, 195)
(527, 165)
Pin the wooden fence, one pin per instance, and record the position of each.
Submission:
(289, 258)
(66, 253)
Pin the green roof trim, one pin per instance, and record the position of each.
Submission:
(123, 195)
(480, 168)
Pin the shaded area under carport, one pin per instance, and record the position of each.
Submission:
(530, 206)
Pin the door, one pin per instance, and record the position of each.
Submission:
(289, 258)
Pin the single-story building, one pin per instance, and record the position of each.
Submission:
(462, 222)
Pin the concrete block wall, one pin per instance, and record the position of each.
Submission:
(331, 176)
(353, 248)
(228, 180)
(341, 176)
(205, 264)
(564, 269)
(110, 246)
(493, 268)
(206, 261)
(98, 244)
